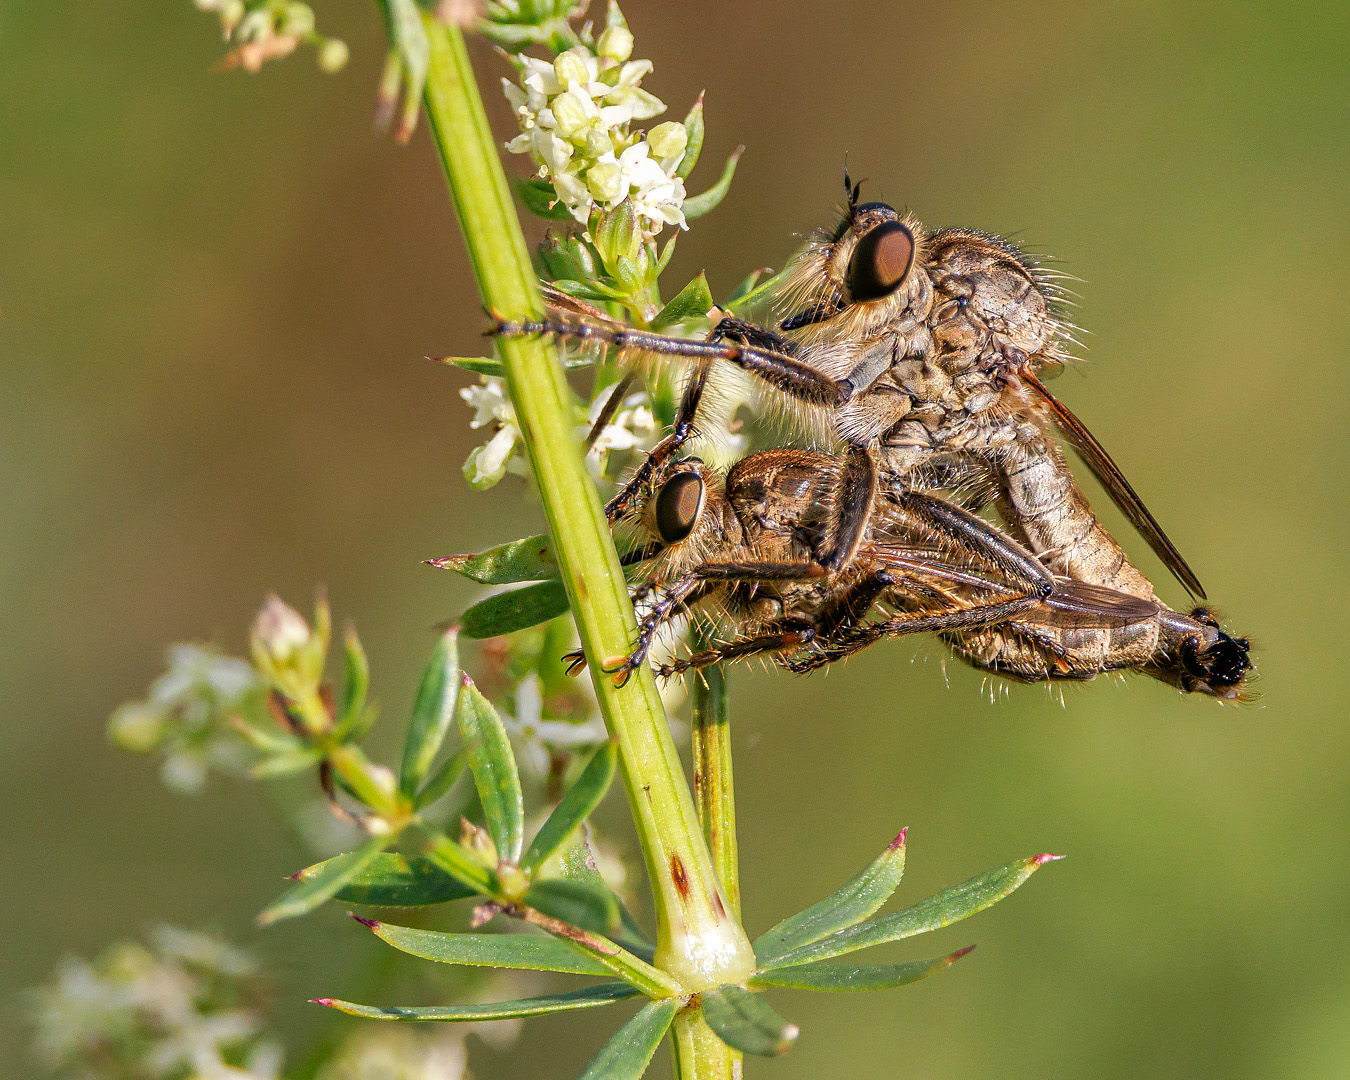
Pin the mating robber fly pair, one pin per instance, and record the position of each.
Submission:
(918, 352)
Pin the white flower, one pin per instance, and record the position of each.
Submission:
(488, 463)
(193, 669)
(536, 739)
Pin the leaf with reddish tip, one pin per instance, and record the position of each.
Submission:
(576, 806)
(949, 906)
(518, 609)
(312, 891)
(433, 710)
(531, 951)
(493, 765)
(860, 898)
(694, 301)
(824, 975)
(486, 365)
(629, 1052)
(530, 559)
(590, 906)
(744, 1021)
(588, 997)
(391, 880)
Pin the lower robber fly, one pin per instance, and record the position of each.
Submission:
(747, 549)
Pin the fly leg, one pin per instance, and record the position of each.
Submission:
(785, 634)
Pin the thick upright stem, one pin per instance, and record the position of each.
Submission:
(713, 788)
(699, 941)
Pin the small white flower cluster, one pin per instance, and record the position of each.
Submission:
(270, 30)
(537, 740)
(170, 1009)
(184, 715)
(633, 427)
(574, 116)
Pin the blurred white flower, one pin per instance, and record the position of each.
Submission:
(536, 739)
(488, 463)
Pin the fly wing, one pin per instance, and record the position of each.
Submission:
(1079, 605)
(1106, 471)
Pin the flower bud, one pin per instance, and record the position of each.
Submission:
(136, 727)
(598, 143)
(333, 56)
(299, 20)
(668, 140)
(616, 43)
(606, 181)
(280, 630)
(571, 114)
(571, 68)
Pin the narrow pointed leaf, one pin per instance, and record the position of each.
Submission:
(692, 302)
(541, 199)
(391, 880)
(579, 903)
(357, 682)
(533, 951)
(443, 779)
(486, 365)
(519, 609)
(311, 892)
(530, 559)
(586, 998)
(627, 1055)
(949, 906)
(433, 710)
(824, 975)
(744, 1021)
(702, 204)
(860, 898)
(694, 128)
(576, 806)
(286, 763)
(587, 290)
(494, 770)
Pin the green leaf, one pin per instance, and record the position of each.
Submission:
(576, 806)
(629, 1052)
(518, 609)
(286, 763)
(693, 126)
(586, 290)
(588, 997)
(851, 904)
(533, 951)
(617, 236)
(666, 254)
(310, 892)
(949, 906)
(692, 302)
(486, 365)
(493, 765)
(530, 559)
(443, 779)
(433, 709)
(824, 975)
(702, 204)
(580, 903)
(745, 288)
(739, 304)
(744, 1021)
(356, 684)
(541, 199)
(391, 880)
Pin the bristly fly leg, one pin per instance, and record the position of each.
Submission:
(787, 634)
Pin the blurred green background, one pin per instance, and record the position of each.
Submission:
(215, 294)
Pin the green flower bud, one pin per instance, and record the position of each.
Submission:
(668, 140)
(333, 56)
(571, 114)
(299, 20)
(598, 143)
(606, 181)
(616, 43)
(136, 727)
(571, 68)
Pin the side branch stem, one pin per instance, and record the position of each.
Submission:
(699, 941)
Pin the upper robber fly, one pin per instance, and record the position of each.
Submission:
(920, 351)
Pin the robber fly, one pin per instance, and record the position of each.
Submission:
(748, 549)
(920, 351)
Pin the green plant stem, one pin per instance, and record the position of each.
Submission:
(713, 788)
(696, 1051)
(699, 942)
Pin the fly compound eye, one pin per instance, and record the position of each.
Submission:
(881, 261)
(678, 505)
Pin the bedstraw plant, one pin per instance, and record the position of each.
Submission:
(458, 818)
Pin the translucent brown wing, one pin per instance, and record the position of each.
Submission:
(1106, 471)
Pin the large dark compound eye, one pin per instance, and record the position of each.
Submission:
(881, 261)
(678, 505)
